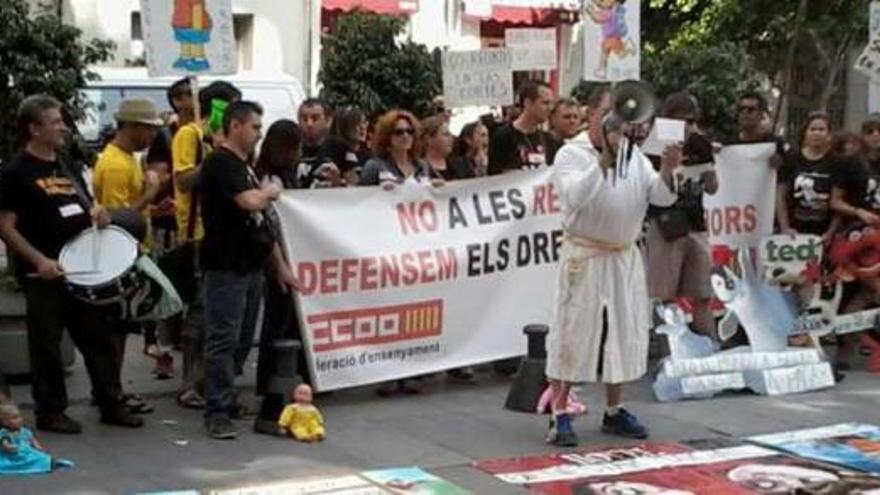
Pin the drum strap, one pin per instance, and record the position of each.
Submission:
(84, 198)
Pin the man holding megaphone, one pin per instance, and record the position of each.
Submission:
(603, 319)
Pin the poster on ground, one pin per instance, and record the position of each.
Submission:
(612, 40)
(478, 77)
(714, 467)
(421, 279)
(851, 445)
(740, 213)
(188, 37)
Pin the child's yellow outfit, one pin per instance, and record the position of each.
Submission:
(304, 422)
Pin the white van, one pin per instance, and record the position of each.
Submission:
(279, 95)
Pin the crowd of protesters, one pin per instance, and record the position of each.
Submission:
(210, 173)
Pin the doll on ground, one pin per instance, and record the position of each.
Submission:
(302, 420)
(20, 451)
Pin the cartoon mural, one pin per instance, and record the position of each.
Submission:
(611, 40)
(192, 29)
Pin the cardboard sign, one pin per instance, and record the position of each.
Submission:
(612, 40)
(533, 49)
(478, 77)
(790, 260)
(188, 37)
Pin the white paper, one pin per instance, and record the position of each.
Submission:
(670, 130)
(533, 49)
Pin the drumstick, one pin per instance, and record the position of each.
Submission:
(76, 272)
(96, 249)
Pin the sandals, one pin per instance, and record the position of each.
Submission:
(191, 400)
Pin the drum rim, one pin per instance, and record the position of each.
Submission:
(116, 229)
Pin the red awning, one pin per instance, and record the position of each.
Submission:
(539, 13)
(376, 6)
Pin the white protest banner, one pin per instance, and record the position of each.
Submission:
(478, 77)
(612, 40)
(419, 279)
(188, 37)
(533, 49)
(740, 214)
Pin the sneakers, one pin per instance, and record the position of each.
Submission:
(624, 424)
(58, 423)
(561, 433)
(220, 428)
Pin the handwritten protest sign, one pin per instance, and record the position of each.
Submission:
(533, 49)
(478, 77)
(188, 37)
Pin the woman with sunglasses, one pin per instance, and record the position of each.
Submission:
(394, 144)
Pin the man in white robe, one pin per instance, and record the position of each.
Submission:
(603, 316)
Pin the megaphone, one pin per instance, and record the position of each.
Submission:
(633, 101)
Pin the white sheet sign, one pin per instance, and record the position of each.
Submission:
(478, 77)
(417, 280)
(612, 41)
(740, 214)
(188, 37)
(533, 49)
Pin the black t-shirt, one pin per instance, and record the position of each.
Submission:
(342, 153)
(861, 183)
(49, 212)
(809, 189)
(458, 167)
(553, 146)
(511, 149)
(235, 240)
(697, 150)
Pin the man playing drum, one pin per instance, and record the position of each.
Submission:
(40, 211)
(602, 322)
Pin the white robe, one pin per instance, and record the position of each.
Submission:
(589, 281)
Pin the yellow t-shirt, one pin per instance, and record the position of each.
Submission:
(118, 178)
(184, 154)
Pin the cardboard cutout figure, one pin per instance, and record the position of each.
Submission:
(192, 29)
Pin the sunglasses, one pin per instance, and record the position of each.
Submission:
(872, 130)
(748, 109)
(407, 131)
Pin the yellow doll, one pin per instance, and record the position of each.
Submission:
(302, 420)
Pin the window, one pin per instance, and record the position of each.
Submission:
(243, 27)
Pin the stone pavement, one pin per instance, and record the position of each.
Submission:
(443, 431)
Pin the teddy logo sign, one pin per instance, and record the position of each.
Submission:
(792, 259)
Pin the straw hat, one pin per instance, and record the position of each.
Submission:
(139, 111)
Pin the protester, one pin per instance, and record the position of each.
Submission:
(522, 144)
(438, 109)
(847, 144)
(237, 246)
(596, 106)
(345, 147)
(565, 119)
(188, 149)
(437, 142)
(600, 332)
(278, 159)
(855, 196)
(120, 183)
(315, 170)
(803, 197)
(677, 244)
(871, 137)
(394, 146)
(472, 148)
(40, 211)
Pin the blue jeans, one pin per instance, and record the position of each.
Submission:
(231, 303)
